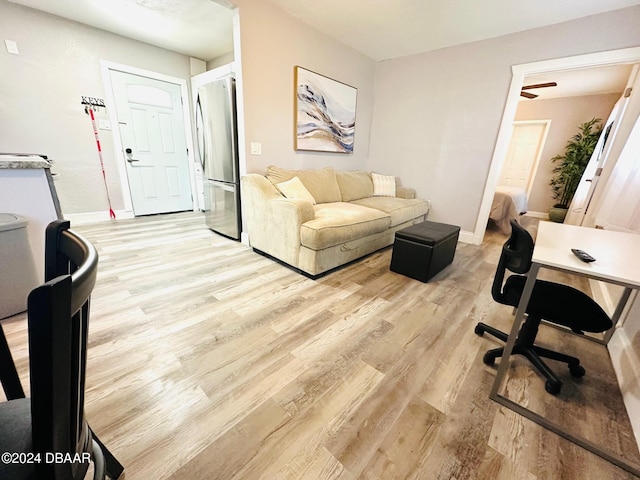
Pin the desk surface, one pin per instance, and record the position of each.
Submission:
(617, 254)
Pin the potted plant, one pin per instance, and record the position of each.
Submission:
(571, 165)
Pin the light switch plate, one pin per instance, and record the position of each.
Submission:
(256, 148)
(12, 47)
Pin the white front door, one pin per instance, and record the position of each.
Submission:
(153, 138)
(524, 153)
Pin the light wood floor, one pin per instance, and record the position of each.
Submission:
(209, 361)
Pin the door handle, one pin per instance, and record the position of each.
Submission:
(129, 153)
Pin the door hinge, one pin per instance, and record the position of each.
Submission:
(598, 172)
(627, 92)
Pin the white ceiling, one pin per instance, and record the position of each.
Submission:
(198, 28)
(588, 81)
(386, 29)
(380, 29)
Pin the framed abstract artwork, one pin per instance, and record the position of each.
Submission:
(325, 111)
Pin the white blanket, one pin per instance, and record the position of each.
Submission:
(508, 203)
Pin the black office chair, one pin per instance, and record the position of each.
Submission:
(553, 302)
(47, 436)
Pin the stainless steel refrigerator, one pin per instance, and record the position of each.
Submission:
(216, 127)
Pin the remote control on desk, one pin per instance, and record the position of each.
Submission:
(582, 255)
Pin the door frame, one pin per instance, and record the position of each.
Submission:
(105, 68)
(591, 60)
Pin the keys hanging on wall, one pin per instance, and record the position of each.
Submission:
(92, 103)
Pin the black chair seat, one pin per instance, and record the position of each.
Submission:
(15, 437)
(560, 304)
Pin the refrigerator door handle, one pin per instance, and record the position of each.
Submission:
(202, 144)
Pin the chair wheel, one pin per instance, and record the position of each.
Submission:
(478, 330)
(488, 359)
(552, 387)
(577, 370)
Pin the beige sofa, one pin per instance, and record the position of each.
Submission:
(346, 222)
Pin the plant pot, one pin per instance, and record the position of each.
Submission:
(557, 214)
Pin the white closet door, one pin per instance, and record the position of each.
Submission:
(620, 207)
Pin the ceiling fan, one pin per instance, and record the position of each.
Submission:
(536, 85)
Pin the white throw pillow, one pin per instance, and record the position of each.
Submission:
(383, 185)
(295, 189)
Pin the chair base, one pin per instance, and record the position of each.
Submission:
(524, 346)
(105, 460)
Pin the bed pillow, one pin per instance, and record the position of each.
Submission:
(383, 185)
(295, 189)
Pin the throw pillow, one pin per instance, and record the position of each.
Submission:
(322, 183)
(295, 189)
(383, 185)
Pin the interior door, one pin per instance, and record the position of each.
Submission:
(152, 130)
(591, 178)
(524, 153)
(592, 172)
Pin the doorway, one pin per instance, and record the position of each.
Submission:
(523, 155)
(614, 57)
(155, 157)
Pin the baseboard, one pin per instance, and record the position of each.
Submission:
(602, 295)
(624, 358)
(244, 238)
(88, 218)
(469, 237)
(626, 364)
(540, 215)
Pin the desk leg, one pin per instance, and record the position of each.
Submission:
(8, 374)
(622, 303)
(517, 323)
(540, 420)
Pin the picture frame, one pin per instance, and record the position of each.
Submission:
(325, 113)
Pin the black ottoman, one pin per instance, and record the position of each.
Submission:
(424, 249)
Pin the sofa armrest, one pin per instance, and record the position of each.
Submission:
(405, 192)
(272, 221)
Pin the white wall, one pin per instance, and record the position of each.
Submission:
(273, 43)
(437, 114)
(566, 114)
(41, 90)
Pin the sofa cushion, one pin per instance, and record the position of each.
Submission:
(340, 222)
(354, 185)
(322, 184)
(295, 189)
(400, 209)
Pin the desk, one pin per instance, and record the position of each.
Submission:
(617, 262)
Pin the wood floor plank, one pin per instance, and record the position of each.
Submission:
(209, 361)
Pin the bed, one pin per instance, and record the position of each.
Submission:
(508, 203)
